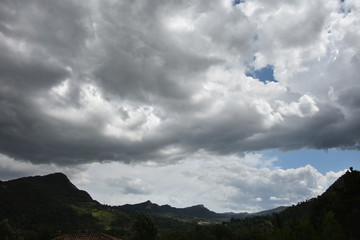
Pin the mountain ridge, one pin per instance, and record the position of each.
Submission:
(198, 211)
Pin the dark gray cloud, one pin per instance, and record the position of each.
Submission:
(162, 81)
(58, 28)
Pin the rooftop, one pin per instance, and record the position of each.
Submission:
(86, 236)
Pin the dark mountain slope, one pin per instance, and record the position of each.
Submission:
(344, 193)
(55, 185)
(335, 215)
(196, 212)
(340, 202)
(31, 202)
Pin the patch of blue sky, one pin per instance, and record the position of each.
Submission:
(324, 161)
(237, 2)
(265, 74)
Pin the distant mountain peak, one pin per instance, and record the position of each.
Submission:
(59, 180)
(345, 183)
(51, 185)
(58, 174)
(150, 205)
(199, 206)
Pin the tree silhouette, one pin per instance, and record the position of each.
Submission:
(331, 228)
(144, 228)
(7, 232)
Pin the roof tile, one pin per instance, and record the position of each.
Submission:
(86, 236)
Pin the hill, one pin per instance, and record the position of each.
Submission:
(339, 204)
(198, 212)
(52, 204)
(193, 213)
(34, 200)
(334, 215)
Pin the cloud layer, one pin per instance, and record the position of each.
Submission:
(166, 81)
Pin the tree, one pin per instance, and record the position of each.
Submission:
(7, 232)
(331, 228)
(144, 228)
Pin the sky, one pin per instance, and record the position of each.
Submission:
(238, 105)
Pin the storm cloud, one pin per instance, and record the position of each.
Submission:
(163, 81)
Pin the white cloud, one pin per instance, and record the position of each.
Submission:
(306, 106)
(180, 24)
(272, 198)
(128, 185)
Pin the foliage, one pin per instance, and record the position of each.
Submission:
(7, 232)
(144, 228)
